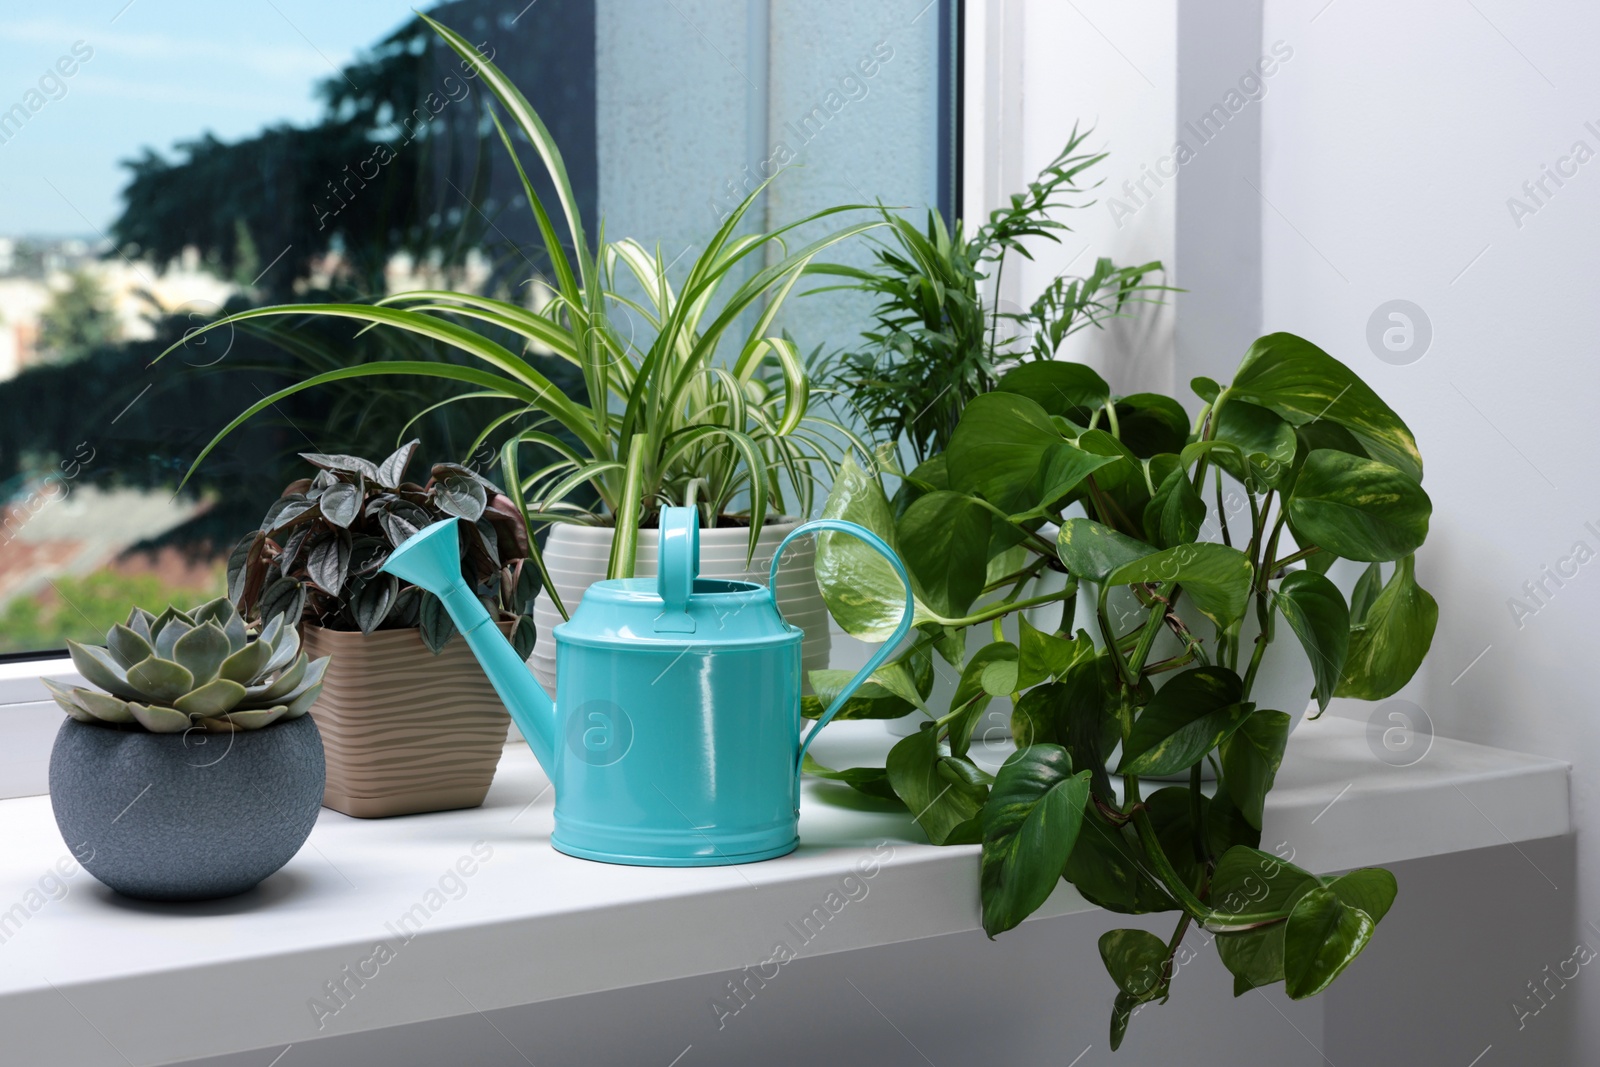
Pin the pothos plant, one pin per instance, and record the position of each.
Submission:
(319, 550)
(1324, 469)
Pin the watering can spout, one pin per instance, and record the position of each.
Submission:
(431, 560)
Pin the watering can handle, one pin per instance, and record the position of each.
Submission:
(885, 650)
(677, 566)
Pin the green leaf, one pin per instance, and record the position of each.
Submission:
(169, 628)
(1070, 390)
(1091, 551)
(1175, 513)
(524, 636)
(862, 591)
(1171, 811)
(127, 646)
(1122, 480)
(1324, 935)
(1072, 713)
(247, 664)
(286, 597)
(1030, 824)
(254, 719)
(160, 720)
(462, 496)
(392, 471)
(1388, 647)
(285, 642)
(1205, 388)
(140, 622)
(213, 698)
(1358, 508)
(202, 651)
(100, 670)
(1215, 577)
(944, 542)
(1135, 959)
(222, 612)
(1034, 716)
(310, 681)
(1302, 383)
(1250, 761)
(1365, 592)
(1248, 881)
(1042, 656)
(435, 624)
(1256, 432)
(101, 706)
(1149, 424)
(1108, 867)
(991, 672)
(882, 696)
(940, 802)
(1122, 1010)
(1063, 468)
(67, 699)
(1316, 612)
(1187, 718)
(160, 679)
(328, 562)
(341, 503)
(339, 462)
(371, 603)
(1226, 827)
(998, 447)
(273, 692)
(1372, 889)
(873, 781)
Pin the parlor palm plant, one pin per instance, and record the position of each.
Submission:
(666, 421)
(940, 334)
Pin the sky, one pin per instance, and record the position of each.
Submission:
(158, 71)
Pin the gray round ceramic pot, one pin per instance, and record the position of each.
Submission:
(190, 816)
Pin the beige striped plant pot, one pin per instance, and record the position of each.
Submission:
(404, 731)
(577, 556)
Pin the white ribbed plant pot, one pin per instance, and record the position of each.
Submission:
(576, 557)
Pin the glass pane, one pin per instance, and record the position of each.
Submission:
(168, 163)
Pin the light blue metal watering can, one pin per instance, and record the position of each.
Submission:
(675, 737)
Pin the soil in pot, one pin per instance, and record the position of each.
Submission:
(405, 731)
(191, 816)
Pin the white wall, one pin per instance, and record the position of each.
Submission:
(1110, 66)
(1392, 146)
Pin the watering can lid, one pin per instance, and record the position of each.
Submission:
(677, 606)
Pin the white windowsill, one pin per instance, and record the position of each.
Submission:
(19, 681)
(532, 925)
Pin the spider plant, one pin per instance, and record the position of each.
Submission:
(705, 411)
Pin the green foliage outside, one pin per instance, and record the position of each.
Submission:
(78, 321)
(84, 608)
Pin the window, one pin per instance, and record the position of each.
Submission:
(167, 164)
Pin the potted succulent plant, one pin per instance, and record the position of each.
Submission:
(191, 771)
(1179, 607)
(404, 731)
(693, 396)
